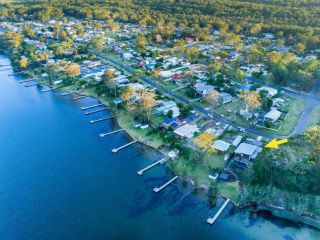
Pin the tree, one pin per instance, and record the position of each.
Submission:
(212, 193)
(73, 70)
(156, 73)
(239, 75)
(147, 101)
(300, 47)
(214, 67)
(204, 141)
(180, 45)
(192, 53)
(213, 97)
(52, 70)
(256, 28)
(313, 137)
(98, 41)
(15, 39)
(23, 62)
(28, 31)
(141, 43)
(251, 100)
(169, 114)
(127, 94)
(79, 28)
(109, 78)
(254, 54)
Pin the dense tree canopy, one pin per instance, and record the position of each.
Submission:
(287, 18)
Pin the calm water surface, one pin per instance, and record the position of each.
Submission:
(59, 180)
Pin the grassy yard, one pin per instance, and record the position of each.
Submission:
(315, 116)
(228, 111)
(229, 190)
(295, 107)
(201, 170)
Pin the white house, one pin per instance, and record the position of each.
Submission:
(221, 146)
(272, 116)
(271, 91)
(248, 150)
(187, 131)
(175, 111)
(204, 89)
(225, 97)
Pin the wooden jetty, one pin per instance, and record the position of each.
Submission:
(11, 74)
(26, 80)
(100, 119)
(158, 189)
(95, 111)
(33, 84)
(163, 160)
(6, 65)
(109, 133)
(92, 106)
(79, 97)
(115, 150)
(215, 217)
(48, 90)
(66, 93)
(6, 69)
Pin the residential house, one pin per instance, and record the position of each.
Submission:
(204, 89)
(165, 106)
(271, 91)
(272, 116)
(186, 131)
(248, 151)
(225, 97)
(221, 146)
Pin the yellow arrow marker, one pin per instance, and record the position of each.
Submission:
(275, 144)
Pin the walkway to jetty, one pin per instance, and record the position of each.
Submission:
(215, 217)
(115, 150)
(92, 106)
(100, 119)
(95, 111)
(162, 161)
(109, 133)
(165, 185)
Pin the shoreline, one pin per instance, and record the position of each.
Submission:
(281, 213)
(255, 207)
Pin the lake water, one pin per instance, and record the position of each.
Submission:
(59, 180)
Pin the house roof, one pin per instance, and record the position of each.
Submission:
(221, 145)
(186, 130)
(271, 91)
(204, 87)
(274, 114)
(246, 149)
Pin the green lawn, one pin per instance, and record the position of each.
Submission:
(295, 107)
(228, 111)
(201, 170)
(229, 190)
(315, 116)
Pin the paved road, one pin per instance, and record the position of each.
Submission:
(218, 118)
